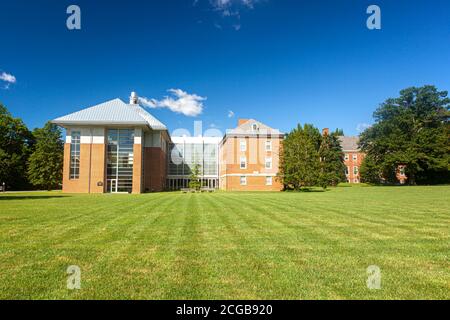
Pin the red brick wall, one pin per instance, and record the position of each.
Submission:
(350, 163)
(155, 169)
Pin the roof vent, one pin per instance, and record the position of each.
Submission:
(133, 98)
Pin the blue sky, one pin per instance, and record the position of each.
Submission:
(282, 62)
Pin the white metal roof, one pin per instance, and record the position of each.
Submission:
(113, 112)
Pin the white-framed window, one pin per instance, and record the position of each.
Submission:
(243, 163)
(268, 145)
(243, 181)
(355, 170)
(75, 155)
(355, 157)
(243, 145)
(269, 181)
(255, 127)
(346, 157)
(347, 171)
(268, 163)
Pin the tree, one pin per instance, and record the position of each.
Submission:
(299, 158)
(332, 168)
(370, 172)
(194, 179)
(16, 143)
(45, 165)
(411, 130)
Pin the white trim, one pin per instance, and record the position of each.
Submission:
(137, 136)
(249, 175)
(193, 140)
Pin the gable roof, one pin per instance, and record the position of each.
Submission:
(246, 128)
(113, 112)
(349, 143)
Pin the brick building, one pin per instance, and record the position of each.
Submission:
(249, 157)
(353, 158)
(118, 147)
(114, 147)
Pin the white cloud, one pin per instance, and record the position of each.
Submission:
(225, 5)
(230, 114)
(230, 10)
(8, 78)
(190, 105)
(362, 127)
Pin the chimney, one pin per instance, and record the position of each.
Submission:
(326, 132)
(133, 98)
(242, 121)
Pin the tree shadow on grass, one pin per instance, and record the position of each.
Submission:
(309, 190)
(29, 197)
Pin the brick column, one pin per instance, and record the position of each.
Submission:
(137, 164)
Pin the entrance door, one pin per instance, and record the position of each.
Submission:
(113, 186)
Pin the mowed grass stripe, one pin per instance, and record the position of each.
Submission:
(311, 245)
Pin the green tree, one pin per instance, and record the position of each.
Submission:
(370, 172)
(45, 165)
(332, 168)
(411, 130)
(194, 179)
(16, 143)
(299, 158)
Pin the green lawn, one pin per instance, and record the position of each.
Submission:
(312, 245)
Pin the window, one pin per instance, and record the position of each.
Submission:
(243, 163)
(75, 155)
(355, 170)
(254, 127)
(268, 181)
(120, 160)
(402, 171)
(243, 181)
(243, 145)
(346, 157)
(355, 157)
(268, 163)
(268, 145)
(347, 171)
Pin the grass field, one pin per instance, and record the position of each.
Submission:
(312, 245)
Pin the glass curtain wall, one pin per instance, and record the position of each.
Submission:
(120, 159)
(185, 156)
